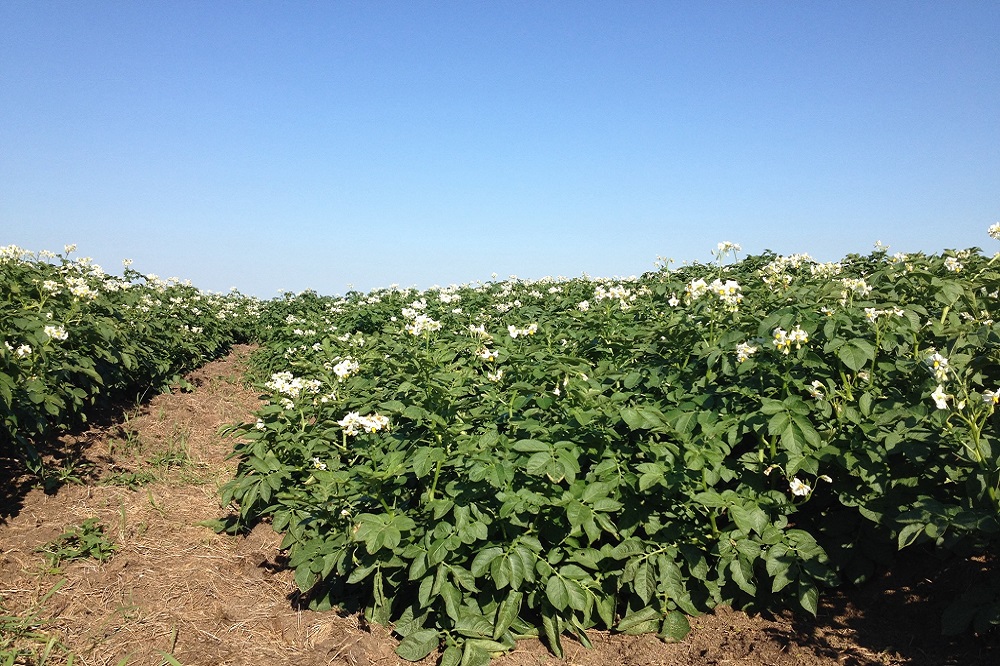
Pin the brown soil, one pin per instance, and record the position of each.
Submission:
(176, 592)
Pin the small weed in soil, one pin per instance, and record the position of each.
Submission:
(130, 480)
(84, 541)
(22, 639)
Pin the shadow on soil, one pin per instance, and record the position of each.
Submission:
(67, 458)
(896, 618)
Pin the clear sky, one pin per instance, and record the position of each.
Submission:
(335, 145)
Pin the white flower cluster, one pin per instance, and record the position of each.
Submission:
(799, 488)
(623, 295)
(745, 350)
(783, 340)
(487, 354)
(826, 270)
(55, 332)
(853, 287)
(21, 351)
(479, 332)
(775, 273)
(421, 323)
(287, 384)
(729, 292)
(13, 253)
(354, 423)
(872, 314)
(816, 389)
(994, 231)
(416, 307)
(80, 289)
(695, 290)
(345, 368)
(952, 264)
(514, 331)
(940, 398)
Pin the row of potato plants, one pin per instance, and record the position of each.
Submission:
(474, 464)
(74, 339)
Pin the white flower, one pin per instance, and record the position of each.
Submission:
(783, 339)
(816, 389)
(799, 488)
(353, 423)
(938, 365)
(318, 464)
(798, 336)
(56, 332)
(673, 301)
(487, 354)
(953, 264)
(728, 292)
(422, 323)
(23, 350)
(695, 290)
(514, 331)
(940, 398)
(346, 368)
(991, 397)
(583, 306)
(478, 331)
(994, 231)
(495, 376)
(69, 249)
(260, 425)
(745, 350)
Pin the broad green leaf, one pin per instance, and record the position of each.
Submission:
(557, 593)
(856, 353)
(808, 596)
(418, 645)
(675, 627)
(643, 621)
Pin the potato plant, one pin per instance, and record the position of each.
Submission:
(73, 338)
(475, 464)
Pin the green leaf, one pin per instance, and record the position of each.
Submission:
(553, 628)
(643, 621)
(484, 558)
(473, 655)
(530, 446)
(856, 353)
(644, 583)
(675, 627)
(557, 593)
(418, 645)
(808, 596)
(452, 656)
(507, 612)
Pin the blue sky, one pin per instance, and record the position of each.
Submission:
(328, 145)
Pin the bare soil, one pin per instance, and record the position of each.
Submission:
(177, 592)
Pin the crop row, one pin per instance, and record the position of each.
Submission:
(74, 339)
(473, 464)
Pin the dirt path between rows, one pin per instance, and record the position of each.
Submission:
(176, 592)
